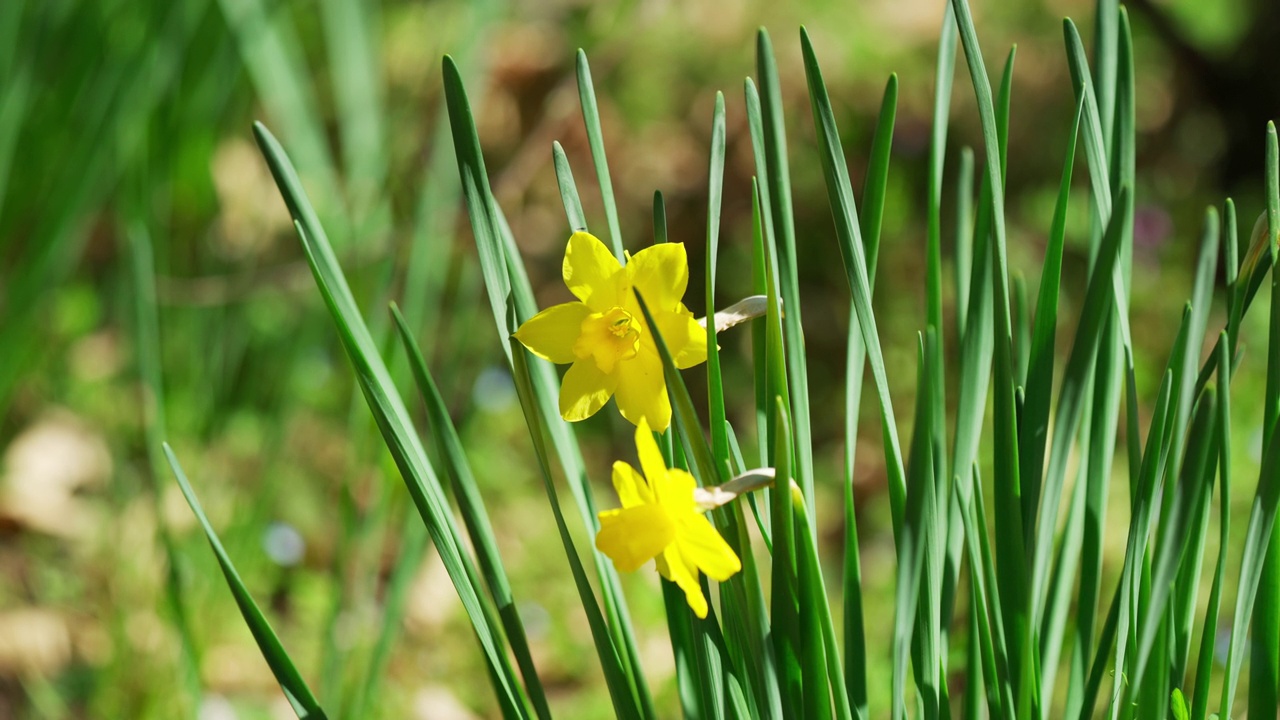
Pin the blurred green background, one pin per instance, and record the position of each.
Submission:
(125, 144)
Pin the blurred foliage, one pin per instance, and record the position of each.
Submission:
(119, 114)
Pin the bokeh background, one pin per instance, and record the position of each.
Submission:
(125, 138)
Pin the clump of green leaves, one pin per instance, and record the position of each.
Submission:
(1014, 576)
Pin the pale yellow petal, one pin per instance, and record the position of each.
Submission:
(703, 546)
(661, 274)
(632, 536)
(551, 334)
(685, 576)
(584, 390)
(642, 391)
(589, 269)
(631, 487)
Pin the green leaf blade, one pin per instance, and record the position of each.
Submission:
(300, 697)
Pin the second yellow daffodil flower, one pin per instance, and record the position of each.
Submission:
(660, 520)
(604, 333)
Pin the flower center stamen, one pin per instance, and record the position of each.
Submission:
(608, 337)
(621, 326)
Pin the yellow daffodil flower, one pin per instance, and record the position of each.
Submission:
(605, 335)
(660, 520)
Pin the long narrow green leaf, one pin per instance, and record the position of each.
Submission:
(778, 178)
(1262, 516)
(975, 676)
(823, 680)
(944, 76)
(1188, 583)
(976, 348)
(1119, 616)
(1088, 501)
(659, 218)
(1137, 577)
(873, 200)
(568, 189)
(741, 600)
(1097, 432)
(476, 192)
(1264, 655)
(931, 658)
(1062, 582)
(1106, 31)
(624, 689)
(474, 514)
(1115, 98)
(15, 102)
(963, 239)
(852, 251)
(1099, 301)
(746, 622)
(1209, 636)
(295, 688)
(745, 613)
(1231, 272)
(1039, 379)
(1020, 307)
(595, 138)
(1095, 146)
(692, 671)
(785, 627)
(1244, 280)
(984, 594)
(761, 332)
(1101, 177)
(911, 567)
(1193, 489)
(715, 383)
(509, 289)
(1011, 551)
(392, 419)
(875, 185)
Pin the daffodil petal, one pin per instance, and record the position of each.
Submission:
(701, 545)
(642, 391)
(651, 461)
(585, 390)
(674, 489)
(630, 485)
(632, 536)
(660, 273)
(686, 339)
(589, 271)
(552, 333)
(686, 577)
